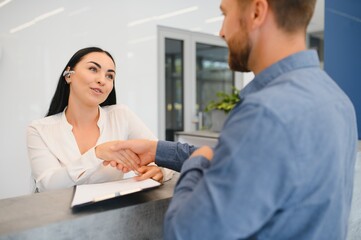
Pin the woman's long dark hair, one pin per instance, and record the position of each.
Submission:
(61, 95)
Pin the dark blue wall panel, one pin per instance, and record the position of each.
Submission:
(343, 48)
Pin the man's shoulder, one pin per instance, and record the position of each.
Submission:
(297, 93)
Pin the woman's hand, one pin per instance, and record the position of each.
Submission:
(153, 172)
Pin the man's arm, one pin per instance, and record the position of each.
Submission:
(165, 154)
(238, 191)
(172, 154)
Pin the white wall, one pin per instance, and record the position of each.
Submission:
(31, 61)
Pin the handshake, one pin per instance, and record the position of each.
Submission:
(139, 155)
(131, 155)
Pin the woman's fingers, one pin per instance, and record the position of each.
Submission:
(147, 172)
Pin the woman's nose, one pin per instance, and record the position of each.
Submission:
(101, 80)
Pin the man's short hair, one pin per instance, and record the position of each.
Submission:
(292, 15)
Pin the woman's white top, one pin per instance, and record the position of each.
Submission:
(56, 161)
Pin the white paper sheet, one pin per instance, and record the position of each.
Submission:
(88, 193)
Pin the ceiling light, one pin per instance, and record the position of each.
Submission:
(37, 19)
(80, 11)
(214, 19)
(4, 3)
(163, 16)
(140, 40)
(22, 26)
(179, 12)
(141, 21)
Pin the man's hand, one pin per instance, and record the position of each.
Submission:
(204, 151)
(125, 157)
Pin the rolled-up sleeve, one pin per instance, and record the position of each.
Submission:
(173, 154)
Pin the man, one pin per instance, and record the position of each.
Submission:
(283, 166)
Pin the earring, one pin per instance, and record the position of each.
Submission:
(67, 73)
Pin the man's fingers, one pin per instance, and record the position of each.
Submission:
(119, 159)
(132, 156)
(126, 160)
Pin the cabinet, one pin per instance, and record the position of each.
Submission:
(197, 138)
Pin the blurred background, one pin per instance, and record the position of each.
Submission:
(170, 62)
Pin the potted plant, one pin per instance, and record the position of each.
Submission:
(221, 108)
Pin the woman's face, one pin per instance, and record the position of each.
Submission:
(92, 80)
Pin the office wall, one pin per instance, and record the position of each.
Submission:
(31, 60)
(343, 48)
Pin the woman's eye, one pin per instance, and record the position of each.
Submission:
(94, 69)
(111, 77)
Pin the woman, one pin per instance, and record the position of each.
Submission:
(83, 114)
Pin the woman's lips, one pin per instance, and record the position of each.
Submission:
(97, 90)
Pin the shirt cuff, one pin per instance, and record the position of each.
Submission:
(165, 151)
(166, 155)
(84, 167)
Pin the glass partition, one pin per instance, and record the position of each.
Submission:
(173, 86)
(212, 75)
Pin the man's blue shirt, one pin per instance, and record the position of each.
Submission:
(283, 166)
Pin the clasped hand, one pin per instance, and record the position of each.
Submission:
(130, 155)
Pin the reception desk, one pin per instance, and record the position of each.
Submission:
(48, 216)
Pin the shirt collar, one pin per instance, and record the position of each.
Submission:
(102, 118)
(100, 123)
(303, 59)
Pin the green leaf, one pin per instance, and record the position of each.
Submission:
(226, 102)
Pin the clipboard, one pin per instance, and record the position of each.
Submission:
(91, 193)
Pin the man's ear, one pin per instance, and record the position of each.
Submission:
(259, 11)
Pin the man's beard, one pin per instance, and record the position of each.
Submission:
(239, 52)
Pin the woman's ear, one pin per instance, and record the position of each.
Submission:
(67, 73)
